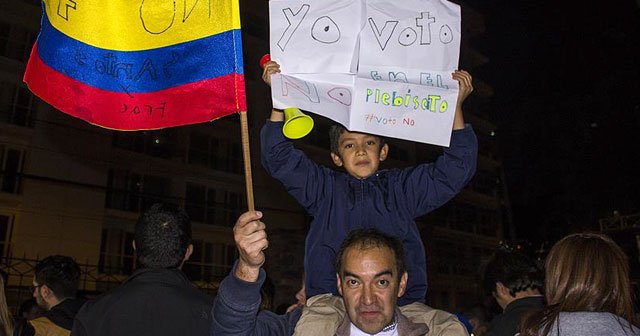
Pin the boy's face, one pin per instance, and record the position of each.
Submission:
(359, 153)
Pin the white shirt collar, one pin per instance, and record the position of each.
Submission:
(390, 330)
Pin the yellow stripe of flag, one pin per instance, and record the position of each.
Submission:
(130, 25)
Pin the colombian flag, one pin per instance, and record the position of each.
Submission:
(139, 64)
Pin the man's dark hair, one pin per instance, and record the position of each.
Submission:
(163, 234)
(371, 238)
(514, 270)
(61, 274)
(334, 138)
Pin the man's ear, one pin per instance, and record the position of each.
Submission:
(188, 252)
(336, 159)
(403, 284)
(133, 244)
(339, 282)
(502, 290)
(384, 151)
(45, 291)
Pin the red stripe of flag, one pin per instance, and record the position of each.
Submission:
(182, 105)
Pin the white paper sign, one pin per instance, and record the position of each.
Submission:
(416, 34)
(315, 36)
(403, 110)
(405, 52)
(329, 95)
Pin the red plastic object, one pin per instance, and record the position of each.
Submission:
(264, 59)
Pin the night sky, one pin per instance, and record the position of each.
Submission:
(567, 106)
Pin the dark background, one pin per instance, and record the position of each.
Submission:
(567, 107)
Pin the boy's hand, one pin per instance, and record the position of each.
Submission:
(269, 69)
(251, 240)
(466, 86)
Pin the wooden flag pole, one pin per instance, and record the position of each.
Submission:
(246, 155)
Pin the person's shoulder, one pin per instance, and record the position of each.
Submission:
(196, 294)
(120, 294)
(439, 322)
(598, 322)
(96, 304)
(525, 304)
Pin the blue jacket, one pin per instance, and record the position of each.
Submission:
(388, 200)
(235, 310)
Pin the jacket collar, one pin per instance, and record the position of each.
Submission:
(161, 275)
(405, 327)
(526, 302)
(357, 188)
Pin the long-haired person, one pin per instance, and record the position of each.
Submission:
(6, 322)
(587, 290)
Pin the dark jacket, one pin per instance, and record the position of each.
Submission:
(389, 201)
(151, 302)
(235, 312)
(508, 323)
(57, 321)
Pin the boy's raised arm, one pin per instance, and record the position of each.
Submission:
(270, 68)
(466, 87)
(284, 162)
(429, 185)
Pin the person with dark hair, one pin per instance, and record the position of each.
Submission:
(365, 196)
(516, 283)
(587, 288)
(370, 275)
(55, 285)
(157, 299)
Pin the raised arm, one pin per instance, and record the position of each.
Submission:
(236, 307)
(428, 186)
(465, 89)
(303, 178)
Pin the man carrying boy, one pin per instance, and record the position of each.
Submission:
(365, 197)
(370, 276)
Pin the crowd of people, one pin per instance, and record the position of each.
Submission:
(584, 289)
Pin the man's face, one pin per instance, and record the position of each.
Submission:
(370, 287)
(360, 154)
(37, 294)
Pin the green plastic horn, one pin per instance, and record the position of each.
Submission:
(296, 123)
